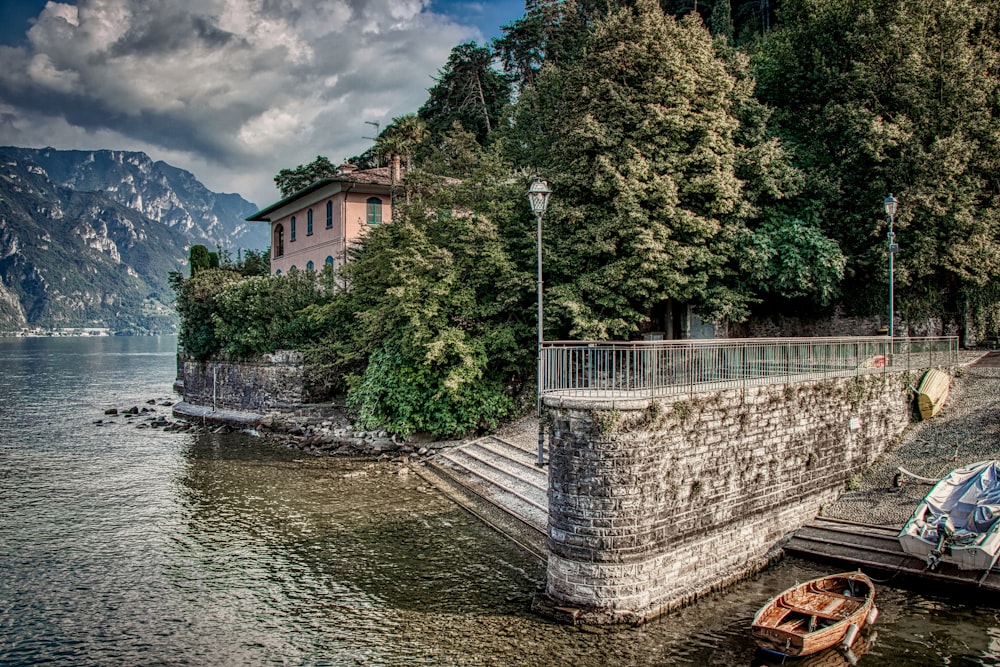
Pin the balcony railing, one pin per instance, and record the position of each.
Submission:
(660, 368)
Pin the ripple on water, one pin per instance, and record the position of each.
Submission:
(121, 546)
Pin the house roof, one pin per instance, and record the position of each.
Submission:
(381, 176)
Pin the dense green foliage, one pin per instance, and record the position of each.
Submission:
(900, 96)
(290, 181)
(195, 302)
(262, 313)
(708, 153)
(435, 311)
(199, 259)
(236, 313)
(649, 139)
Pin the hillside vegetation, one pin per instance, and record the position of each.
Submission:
(87, 238)
(721, 158)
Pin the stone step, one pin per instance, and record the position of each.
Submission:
(500, 457)
(524, 458)
(502, 490)
(528, 536)
(502, 474)
(496, 494)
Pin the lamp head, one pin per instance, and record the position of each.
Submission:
(538, 195)
(890, 205)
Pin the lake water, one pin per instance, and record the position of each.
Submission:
(122, 545)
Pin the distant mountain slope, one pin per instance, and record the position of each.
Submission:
(158, 190)
(70, 258)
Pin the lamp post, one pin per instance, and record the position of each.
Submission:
(890, 210)
(538, 197)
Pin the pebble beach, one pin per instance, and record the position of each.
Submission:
(967, 430)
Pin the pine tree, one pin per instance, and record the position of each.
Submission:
(468, 90)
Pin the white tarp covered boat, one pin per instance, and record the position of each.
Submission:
(957, 522)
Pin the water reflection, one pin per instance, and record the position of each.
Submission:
(375, 533)
(121, 546)
(348, 553)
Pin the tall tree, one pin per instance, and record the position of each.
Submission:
(900, 96)
(637, 137)
(467, 90)
(551, 31)
(292, 180)
(721, 20)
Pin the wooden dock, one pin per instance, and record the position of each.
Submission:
(877, 548)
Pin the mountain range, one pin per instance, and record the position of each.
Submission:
(88, 238)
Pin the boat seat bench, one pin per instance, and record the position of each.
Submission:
(832, 613)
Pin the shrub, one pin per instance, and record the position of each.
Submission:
(196, 304)
(402, 393)
(262, 314)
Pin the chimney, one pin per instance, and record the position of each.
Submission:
(346, 169)
(397, 169)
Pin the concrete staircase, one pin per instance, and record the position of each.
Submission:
(496, 479)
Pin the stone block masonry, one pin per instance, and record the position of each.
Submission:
(654, 502)
(274, 381)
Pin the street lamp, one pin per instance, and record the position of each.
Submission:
(890, 210)
(538, 197)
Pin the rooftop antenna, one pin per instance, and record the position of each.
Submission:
(376, 124)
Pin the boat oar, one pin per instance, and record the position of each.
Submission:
(902, 473)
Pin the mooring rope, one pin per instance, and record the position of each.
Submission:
(925, 480)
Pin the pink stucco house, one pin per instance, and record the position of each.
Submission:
(316, 225)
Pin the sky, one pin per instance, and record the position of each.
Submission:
(231, 90)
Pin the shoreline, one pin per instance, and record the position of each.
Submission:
(967, 430)
(322, 430)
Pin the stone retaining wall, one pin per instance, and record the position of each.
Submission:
(275, 381)
(838, 324)
(655, 502)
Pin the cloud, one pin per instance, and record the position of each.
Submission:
(232, 89)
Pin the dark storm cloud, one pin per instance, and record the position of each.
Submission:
(244, 87)
(169, 33)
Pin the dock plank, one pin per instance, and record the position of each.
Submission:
(877, 547)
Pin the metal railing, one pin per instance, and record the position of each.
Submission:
(659, 368)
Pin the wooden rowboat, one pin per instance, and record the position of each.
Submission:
(816, 615)
(932, 392)
(831, 657)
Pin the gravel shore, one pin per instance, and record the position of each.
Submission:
(966, 430)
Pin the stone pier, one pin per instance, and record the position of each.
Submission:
(654, 502)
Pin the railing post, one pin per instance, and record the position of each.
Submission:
(788, 362)
(614, 364)
(690, 368)
(654, 364)
(743, 364)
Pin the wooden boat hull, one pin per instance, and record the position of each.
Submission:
(814, 616)
(831, 657)
(932, 393)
